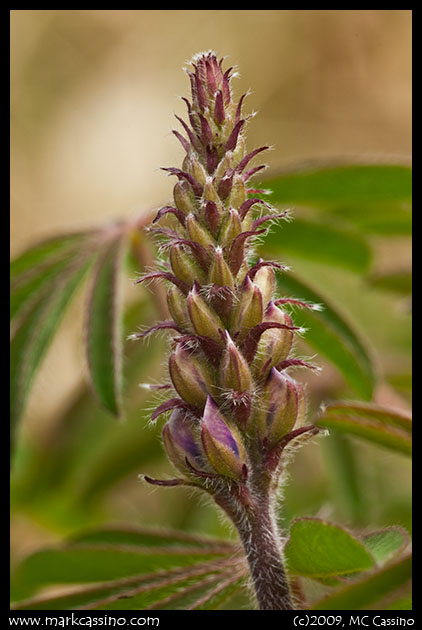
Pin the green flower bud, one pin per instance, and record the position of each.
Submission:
(275, 344)
(204, 320)
(278, 412)
(183, 198)
(220, 271)
(249, 311)
(266, 281)
(231, 228)
(198, 233)
(238, 192)
(190, 376)
(235, 373)
(184, 267)
(176, 303)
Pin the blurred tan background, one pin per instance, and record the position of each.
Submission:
(93, 97)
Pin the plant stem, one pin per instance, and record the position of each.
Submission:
(260, 538)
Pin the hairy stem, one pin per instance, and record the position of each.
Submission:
(258, 532)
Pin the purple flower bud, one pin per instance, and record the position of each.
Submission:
(279, 411)
(222, 443)
(182, 441)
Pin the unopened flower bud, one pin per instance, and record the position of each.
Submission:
(204, 320)
(278, 413)
(198, 233)
(238, 192)
(184, 267)
(235, 373)
(210, 193)
(176, 303)
(183, 198)
(222, 442)
(182, 441)
(220, 273)
(275, 344)
(231, 228)
(190, 376)
(249, 311)
(195, 168)
(265, 280)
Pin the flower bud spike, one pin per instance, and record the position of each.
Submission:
(222, 443)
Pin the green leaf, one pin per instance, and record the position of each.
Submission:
(33, 336)
(149, 537)
(330, 334)
(321, 242)
(24, 292)
(399, 282)
(84, 563)
(367, 591)
(380, 425)
(333, 185)
(104, 323)
(44, 253)
(385, 543)
(319, 549)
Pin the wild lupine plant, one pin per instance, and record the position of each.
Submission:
(235, 409)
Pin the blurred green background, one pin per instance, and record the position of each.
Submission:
(93, 96)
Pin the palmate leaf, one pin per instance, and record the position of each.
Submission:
(367, 591)
(329, 332)
(34, 334)
(132, 569)
(322, 242)
(103, 327)
(383, 426)
(319, 549)
(318, 184)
